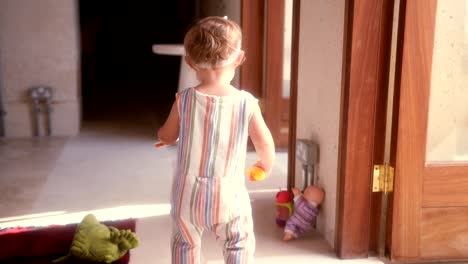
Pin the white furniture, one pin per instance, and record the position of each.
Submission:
(187, 77)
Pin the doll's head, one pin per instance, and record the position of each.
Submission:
(314, 194)
(213, 42)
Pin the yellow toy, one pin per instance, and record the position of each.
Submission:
(256, 173)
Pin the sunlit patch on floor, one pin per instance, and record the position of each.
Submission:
(30, 216)
(106, 214)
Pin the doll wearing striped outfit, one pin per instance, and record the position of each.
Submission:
(212, 123)
(305, 211)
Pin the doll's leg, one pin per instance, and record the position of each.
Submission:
(186, 243)
(291, 229)
(288, 235)
(238, 240)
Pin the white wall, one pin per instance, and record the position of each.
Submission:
(319, 91)
(39, 45)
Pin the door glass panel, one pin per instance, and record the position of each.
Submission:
(288, 5)
(447, 139)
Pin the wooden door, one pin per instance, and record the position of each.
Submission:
(366, 57)
(430, 213)
(263, 24)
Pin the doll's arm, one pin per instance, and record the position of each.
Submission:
(297, 194)
(296, 191)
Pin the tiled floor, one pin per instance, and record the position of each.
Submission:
(108, 166)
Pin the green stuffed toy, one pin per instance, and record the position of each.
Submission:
(97, 242)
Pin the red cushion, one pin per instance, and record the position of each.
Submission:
(54, 240)
(48, 260)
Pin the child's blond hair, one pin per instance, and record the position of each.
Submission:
(213, 42)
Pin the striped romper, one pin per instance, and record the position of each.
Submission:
(208, 190)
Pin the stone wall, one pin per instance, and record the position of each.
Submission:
(39, 45)
(319, 93)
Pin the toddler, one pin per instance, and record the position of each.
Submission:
(211, 123)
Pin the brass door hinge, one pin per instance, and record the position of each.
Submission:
(383, 178)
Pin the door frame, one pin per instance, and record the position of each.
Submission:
(430, 197)
(296, 21)
(252, 21)
(366, 58)
(262, 72)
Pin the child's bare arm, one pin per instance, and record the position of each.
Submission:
(262, 140)
(169, 132)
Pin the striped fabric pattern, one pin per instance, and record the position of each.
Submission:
(208, 190)
(301, 221)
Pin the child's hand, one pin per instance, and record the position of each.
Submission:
(256, 173)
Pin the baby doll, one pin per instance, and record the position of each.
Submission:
(305, 211)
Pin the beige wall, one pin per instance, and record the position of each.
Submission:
(319, 90)
(39, 45)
